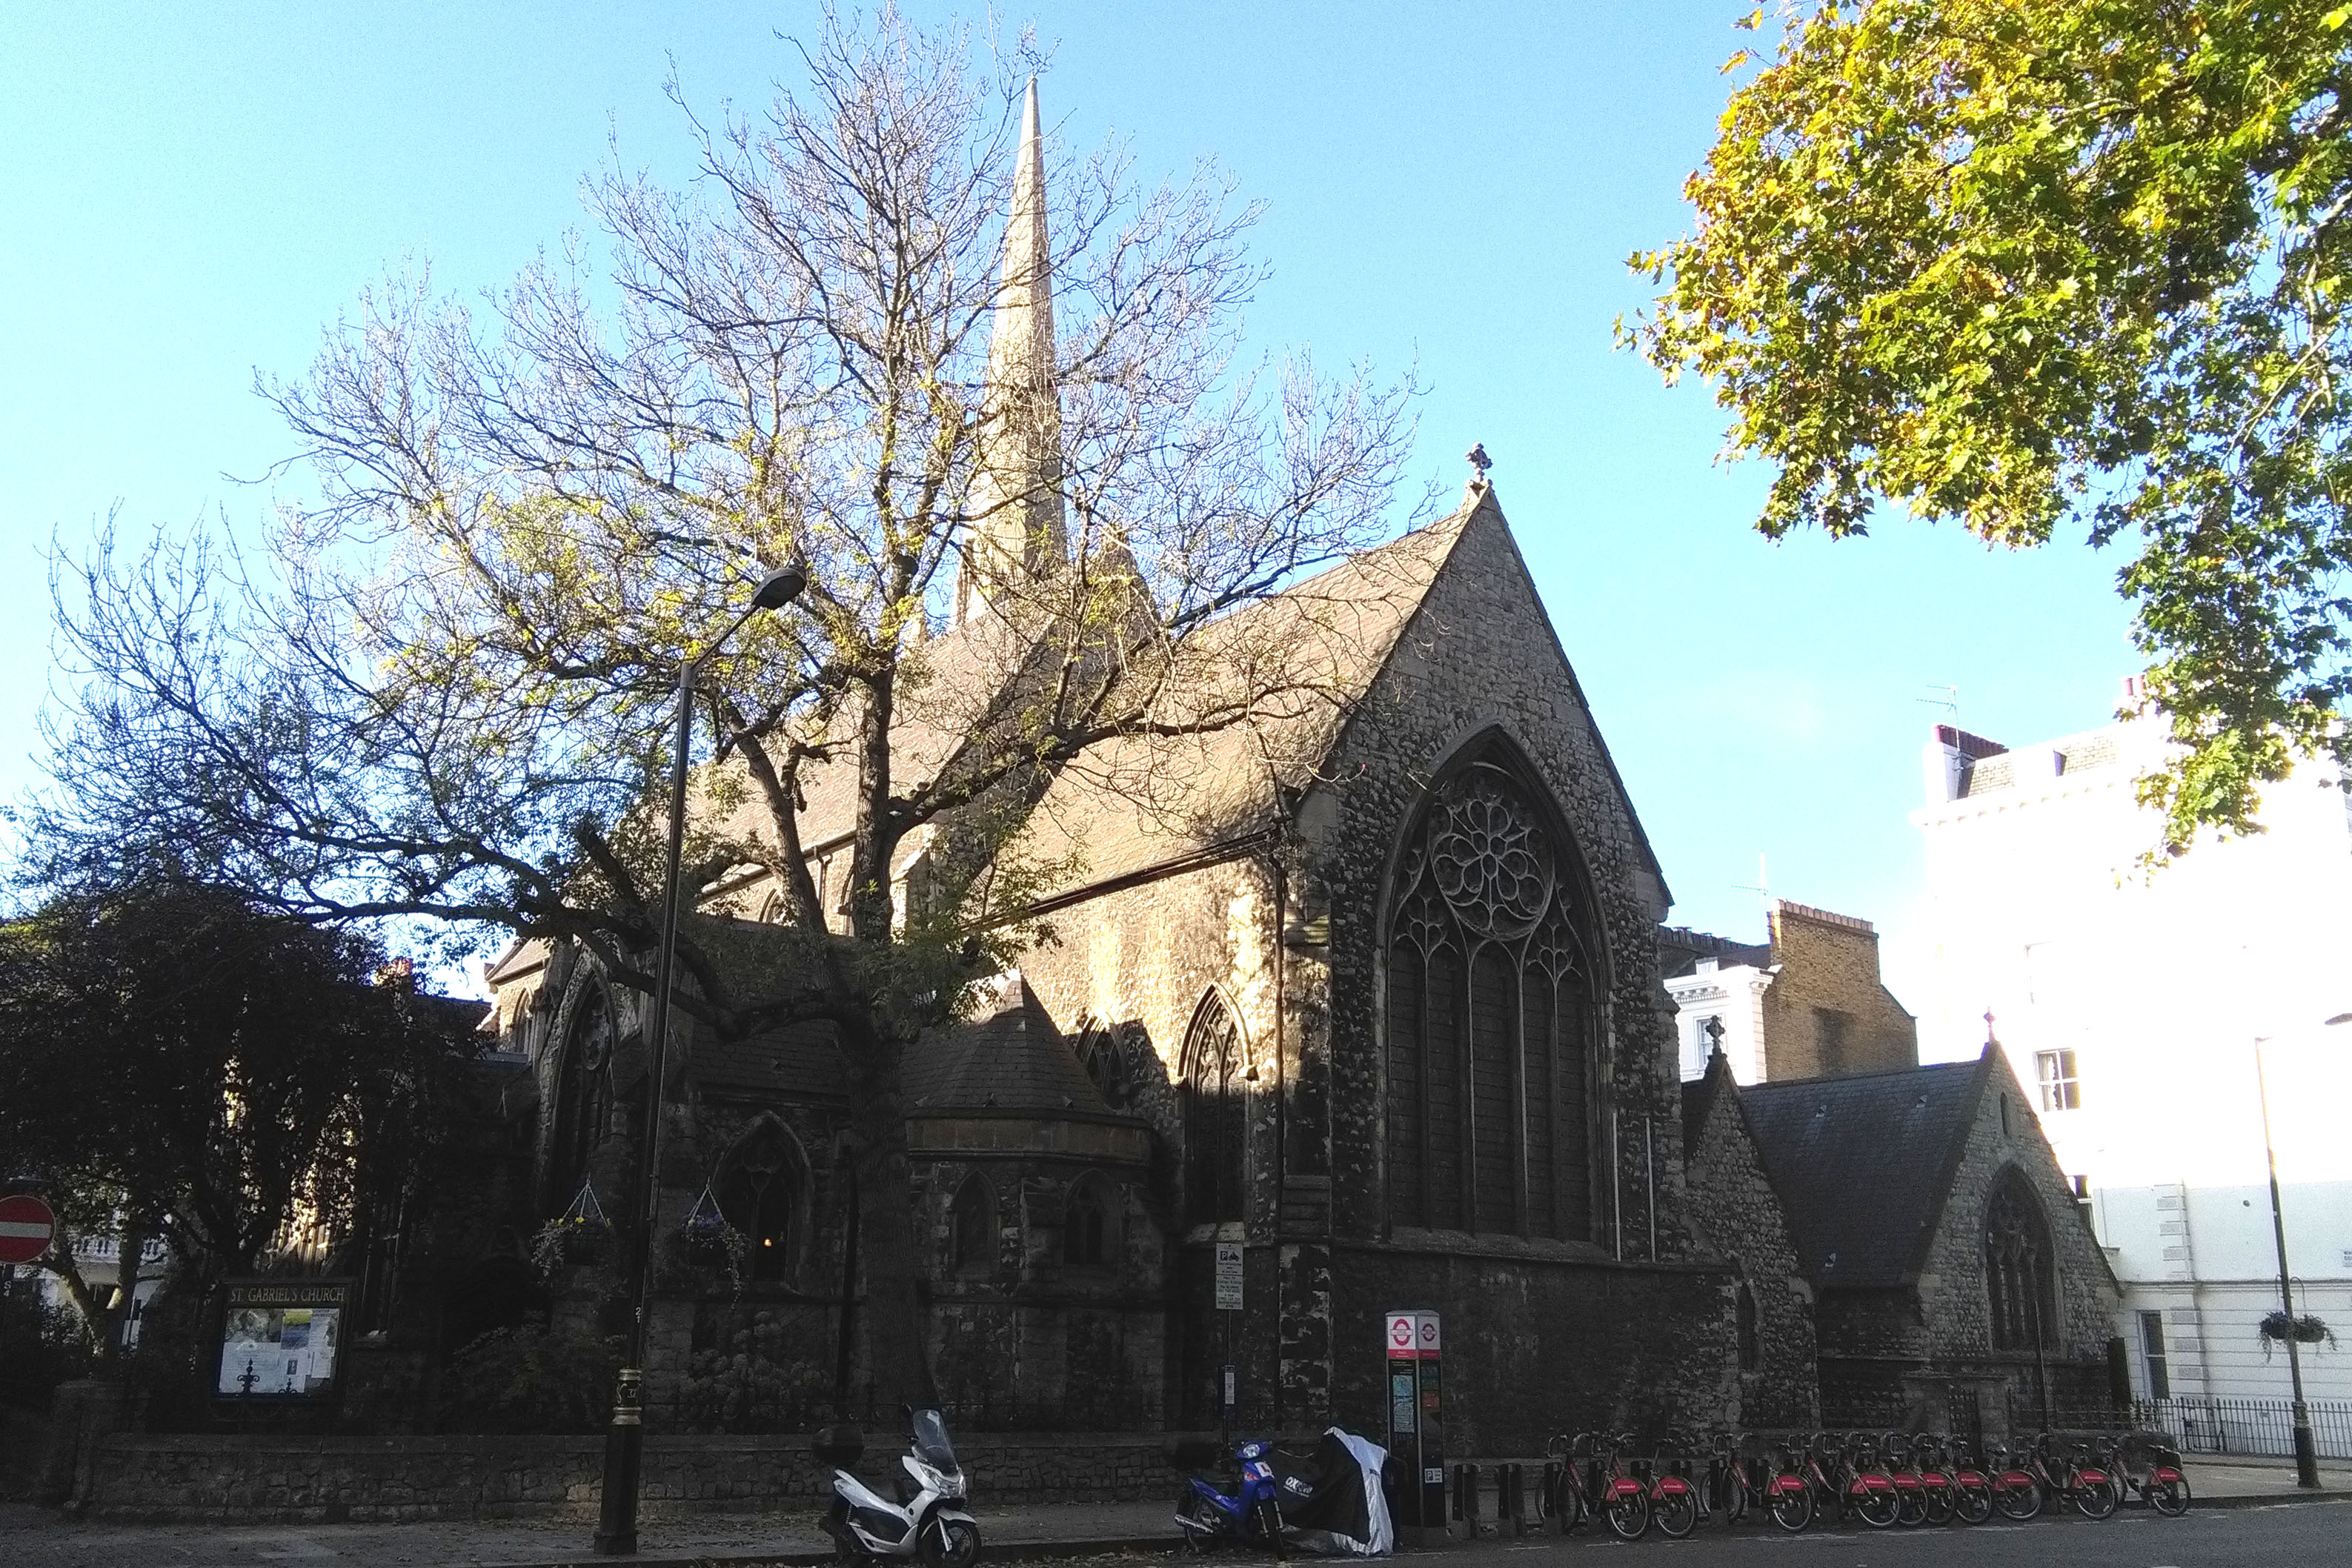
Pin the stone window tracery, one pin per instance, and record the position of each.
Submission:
(1492, 993)
(1217, 1115)
(2017, 1265)
(1108, 1057)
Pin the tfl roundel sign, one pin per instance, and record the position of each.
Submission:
(27, 1226)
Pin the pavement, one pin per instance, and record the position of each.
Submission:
(2252, 1494)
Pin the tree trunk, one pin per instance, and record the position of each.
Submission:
(899, 1362)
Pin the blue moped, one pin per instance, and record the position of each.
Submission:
(1236, 1504)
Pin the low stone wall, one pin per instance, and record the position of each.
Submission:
(329, 1480)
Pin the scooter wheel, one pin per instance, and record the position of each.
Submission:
(949, 1543)
(1201, 1535)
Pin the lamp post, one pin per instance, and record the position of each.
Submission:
(616, 1519)
(2306, 1450)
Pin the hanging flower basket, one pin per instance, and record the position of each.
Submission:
(2306, 1329)
(579, 1235)
(705, 1231)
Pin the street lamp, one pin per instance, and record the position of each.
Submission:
(2306, 1450)
(616, 1519)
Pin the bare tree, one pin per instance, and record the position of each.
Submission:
(1028, 477)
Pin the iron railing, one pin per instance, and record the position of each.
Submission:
(2200, 1424)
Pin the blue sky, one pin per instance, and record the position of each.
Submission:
(190, 193)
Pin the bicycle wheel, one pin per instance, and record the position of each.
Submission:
(1735, 1498)
(1971, 1505)
(2096, 1500)
(1792, 1509)
(2170, 1498)
(1941, 1499)
(2020, 1500)
(1628, 1514)
(1877, 1507)
(1911, 1507)
(1675, 1513)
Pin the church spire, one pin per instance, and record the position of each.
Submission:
(1017, 532)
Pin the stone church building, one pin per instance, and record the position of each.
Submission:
(1370, 991)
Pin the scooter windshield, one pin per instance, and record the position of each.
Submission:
(931, 1443)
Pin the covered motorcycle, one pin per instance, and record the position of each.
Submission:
(1331, 1500)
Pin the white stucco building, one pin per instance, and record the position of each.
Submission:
(2131, 1000)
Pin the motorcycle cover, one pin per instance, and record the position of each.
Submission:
(1331, 1502)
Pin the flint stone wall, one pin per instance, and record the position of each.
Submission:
(386, 1479)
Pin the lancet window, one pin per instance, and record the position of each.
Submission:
(1090, 1238)
(1493, 986)
(760, 1193)
(1217, 1115)
(2017, 1265)
(972, 1227)
(584, 1103)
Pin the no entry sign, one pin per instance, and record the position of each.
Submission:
(27, 1226)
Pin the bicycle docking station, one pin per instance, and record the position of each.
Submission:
(1412, 1344)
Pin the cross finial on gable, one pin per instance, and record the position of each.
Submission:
(1479, 462)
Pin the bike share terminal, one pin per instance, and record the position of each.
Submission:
(1412, 1344)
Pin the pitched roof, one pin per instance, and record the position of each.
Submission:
(1132, 802)
(1863, 1164)
(797, 1061)
(1010, 1058)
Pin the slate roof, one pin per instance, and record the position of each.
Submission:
(797, 1061)
(1680, 948)
(1010, 1058)
(1130, 804)
(1863, 1164)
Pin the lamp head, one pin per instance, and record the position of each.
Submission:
(2339, 1018)
(779, 588)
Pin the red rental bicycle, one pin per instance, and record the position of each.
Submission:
(1971, 1487)
(1789, 1495)
(2150, 1465)
(1869, 1489)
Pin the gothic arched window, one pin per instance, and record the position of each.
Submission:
(583, 1103)
(1089, 1234)
(1491, 983)
(1750, 1343)
(2017, 1265)
(760, 1193)
(1217, 1115)
(1109, 1057)
(972, 1227)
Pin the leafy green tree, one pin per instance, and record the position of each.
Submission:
(455, 703)
(2019, 262)
(240, 1087)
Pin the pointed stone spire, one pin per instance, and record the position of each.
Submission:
(1017, 532)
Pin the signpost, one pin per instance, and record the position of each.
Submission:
(1229, 1277)
(1411, 1344)
(27, 1226)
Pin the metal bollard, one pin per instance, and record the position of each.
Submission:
(1548, 1505)
(1511, 1500)
(1466, 1495)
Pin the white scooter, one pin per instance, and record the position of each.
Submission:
(927, 1521)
